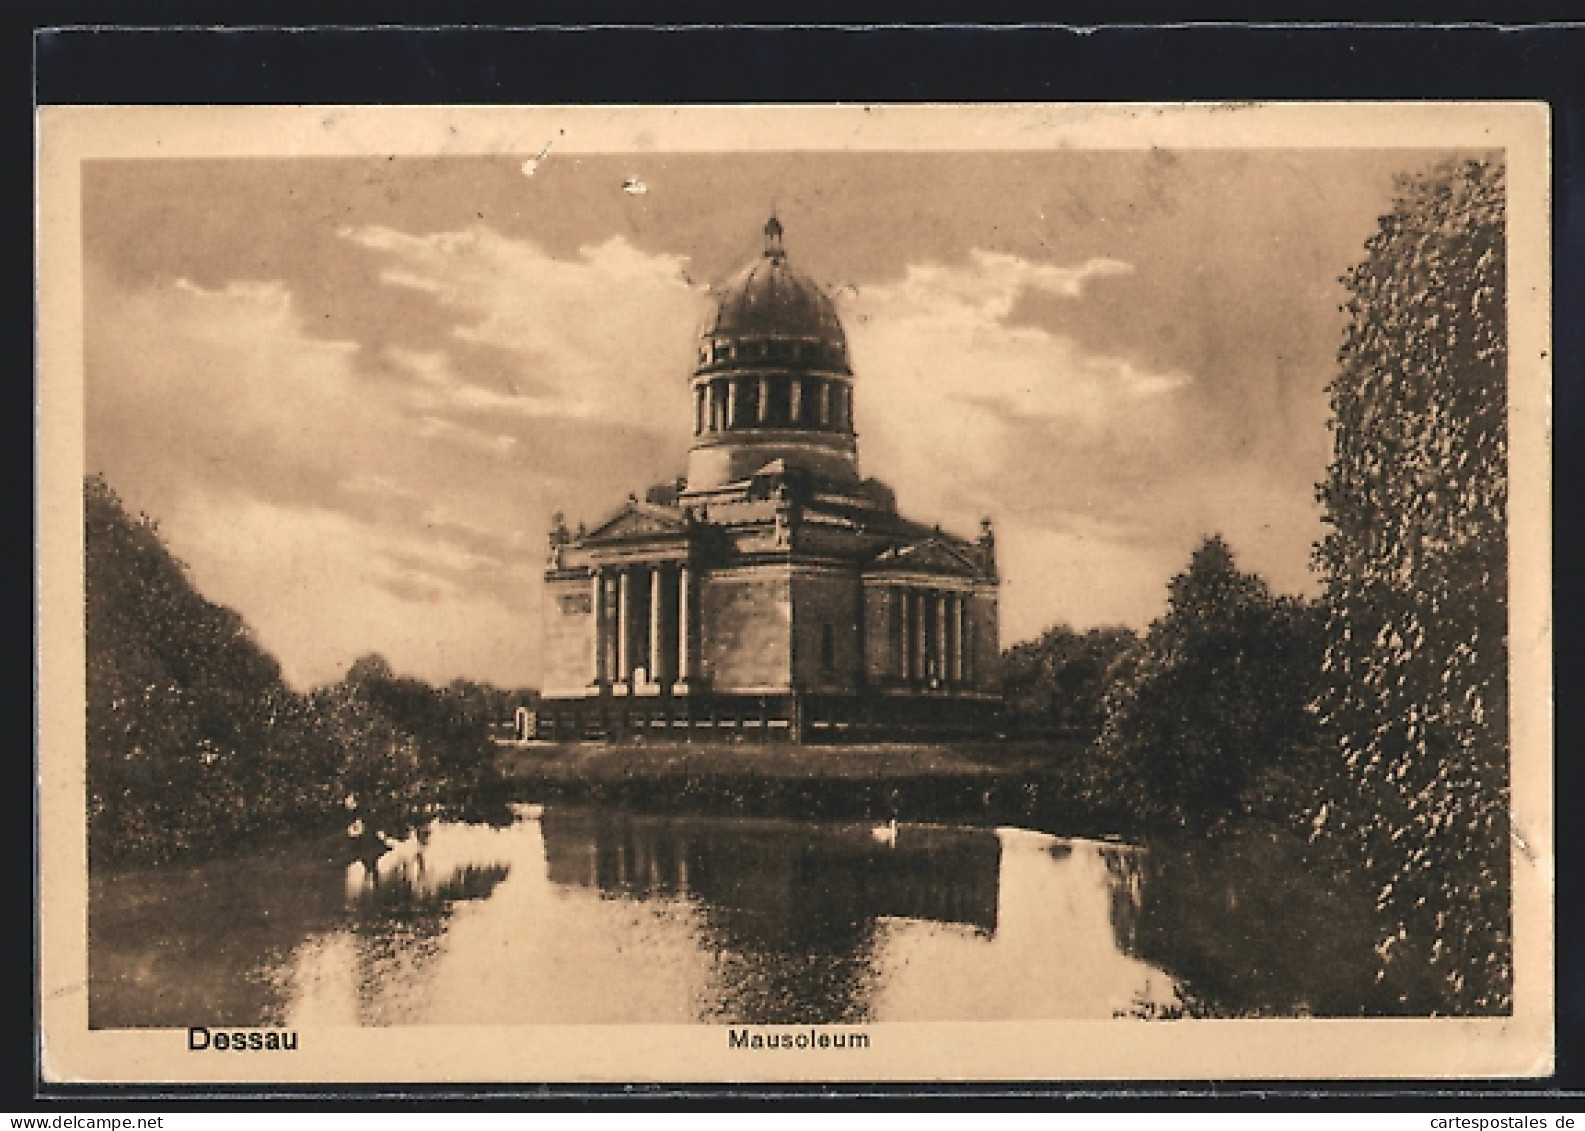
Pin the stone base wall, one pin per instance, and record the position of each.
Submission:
(806, 718)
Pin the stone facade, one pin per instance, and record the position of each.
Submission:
(773, 592)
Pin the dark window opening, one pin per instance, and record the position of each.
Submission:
(828, 649)
(748, 404)
(778, 410)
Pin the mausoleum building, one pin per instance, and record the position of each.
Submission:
(771, 592)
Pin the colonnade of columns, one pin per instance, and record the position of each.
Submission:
(935, 637)
(772, 400)
(643, 619)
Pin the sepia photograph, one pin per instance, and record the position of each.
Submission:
(936, 592)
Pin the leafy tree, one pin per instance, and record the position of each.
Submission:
(1415, 568)
(195, 741)
(1059, 680)
(181, 701)
(1209, 715)
(422, 751)
(368, 671)
(374, 770)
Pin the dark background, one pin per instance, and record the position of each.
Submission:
(74, 52)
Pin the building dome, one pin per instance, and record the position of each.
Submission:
(769, 311)
(772, 382)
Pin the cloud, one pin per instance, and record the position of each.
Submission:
(322, 587)
(941, 370)
(987, 289)
(1093, 466)
(389, 492)
(185, 382)
(442, 387)
(605, 334)
(358, 494)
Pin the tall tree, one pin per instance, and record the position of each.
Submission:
(1058, 681)
(1415, 568)
(1207, 716)
(182, 704)
(195, 741)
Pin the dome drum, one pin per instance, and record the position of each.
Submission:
(819, 404)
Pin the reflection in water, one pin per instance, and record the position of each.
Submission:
(402, 904)
(174, 946)
(1055, 952)
(380, 969)
(1125, 872)
(1247, 929)
(788, 910)
(592, 916)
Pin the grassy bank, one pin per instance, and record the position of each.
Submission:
(1047, 784)
(611, 761)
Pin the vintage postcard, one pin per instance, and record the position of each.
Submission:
(851, 593)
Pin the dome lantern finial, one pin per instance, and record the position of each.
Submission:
(773, 231)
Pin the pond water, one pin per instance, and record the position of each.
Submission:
(583, 915)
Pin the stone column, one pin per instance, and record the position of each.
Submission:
(904, 633)
(910, 630)
(731, 402)
(921, 633)
(596, 627)
(764, 400)
(684, 628)
(698, 409)
(954, 618)
(824, 399)
(942, 670)
(795, 396)
(654, 623)
(624, 652)
(948, 637)
(968, 644)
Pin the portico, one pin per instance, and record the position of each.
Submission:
(643, 636)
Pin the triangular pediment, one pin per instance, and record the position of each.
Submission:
(638, 521)
(933, 555)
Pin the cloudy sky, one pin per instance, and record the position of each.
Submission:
(353, 390)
